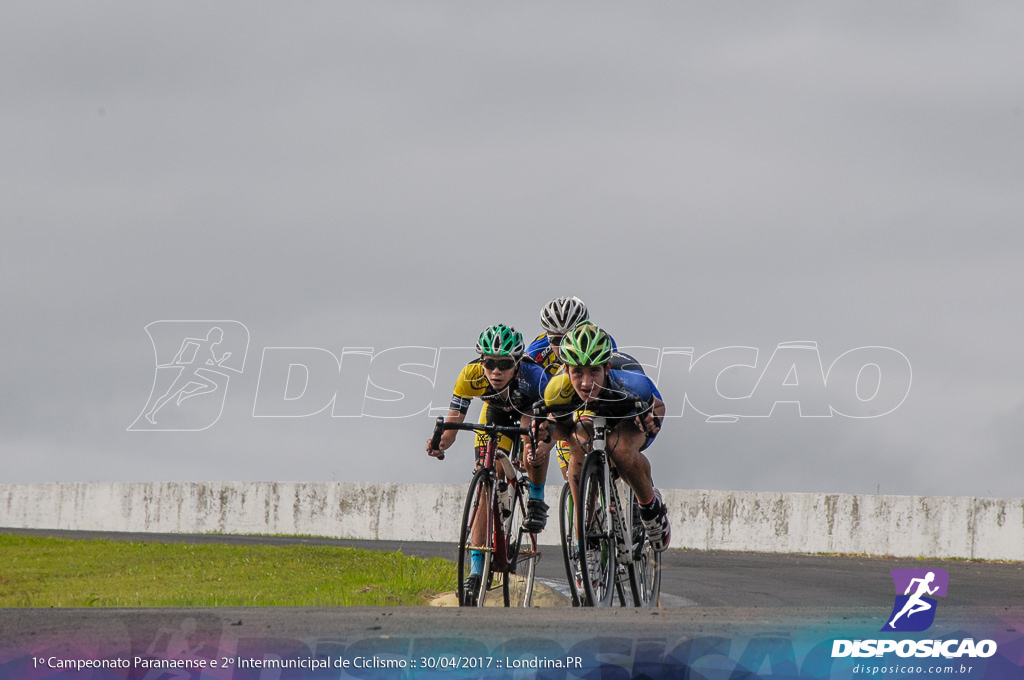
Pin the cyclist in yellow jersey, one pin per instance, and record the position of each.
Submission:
(509, 384)
(557, 318)
(591, 386)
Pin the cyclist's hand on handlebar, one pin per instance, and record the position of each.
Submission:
(541, 431)
(536, 457)
(447, 439)
(649, 423)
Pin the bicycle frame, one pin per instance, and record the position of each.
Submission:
(617, 512)
(502, 545)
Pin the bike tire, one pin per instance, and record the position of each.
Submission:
(477, 509)
(632, 580)
(645, 571)
(522, 553)
(597, 538)
(570, 548)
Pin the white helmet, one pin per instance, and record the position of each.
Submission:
(562, 314)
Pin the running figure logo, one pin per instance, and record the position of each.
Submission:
(914, 609)
(194, 362)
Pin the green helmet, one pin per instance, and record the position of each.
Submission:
(500, 340)
(586, 345)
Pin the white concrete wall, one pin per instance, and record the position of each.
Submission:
(905, 526)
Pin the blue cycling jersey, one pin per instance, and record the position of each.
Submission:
(624, 362)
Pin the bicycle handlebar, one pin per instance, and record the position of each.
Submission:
(542, 409)
(538, 410)
(440, 425)
(435, 440)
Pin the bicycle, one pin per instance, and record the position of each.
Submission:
(510, 552)
(614, 556)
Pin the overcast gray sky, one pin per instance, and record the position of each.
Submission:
(704, 175)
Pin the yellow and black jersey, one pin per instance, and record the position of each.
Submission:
(525, 389)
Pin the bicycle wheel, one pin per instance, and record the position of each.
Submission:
(645, 572)
(476, 534)
(597, 539)
(570, 550)
(522, 552)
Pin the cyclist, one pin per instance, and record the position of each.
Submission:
(557, 318)
(590, 386)
(508, 383)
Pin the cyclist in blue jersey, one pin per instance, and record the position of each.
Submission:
(557, 318)
(590, 386)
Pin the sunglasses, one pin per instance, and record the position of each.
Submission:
(555, 340)
(500, 364)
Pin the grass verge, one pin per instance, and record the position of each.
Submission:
(54, 572)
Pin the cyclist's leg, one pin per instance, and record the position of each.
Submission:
(624, 443)
(536, 508)
(577, 453)
(563, 453)
(624, 446)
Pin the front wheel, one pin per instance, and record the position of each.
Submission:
(597, 537)
(476, 540)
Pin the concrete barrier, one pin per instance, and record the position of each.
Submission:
(903, 526)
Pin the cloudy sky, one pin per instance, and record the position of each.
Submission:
(388, 175)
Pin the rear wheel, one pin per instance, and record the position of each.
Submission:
(522, 552)
(476, 536)
(646, 572)
(570, 547)
(597, 540)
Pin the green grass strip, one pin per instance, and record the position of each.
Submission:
(54, 572)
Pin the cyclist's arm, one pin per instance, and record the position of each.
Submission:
(470, 383)
(638, 386)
